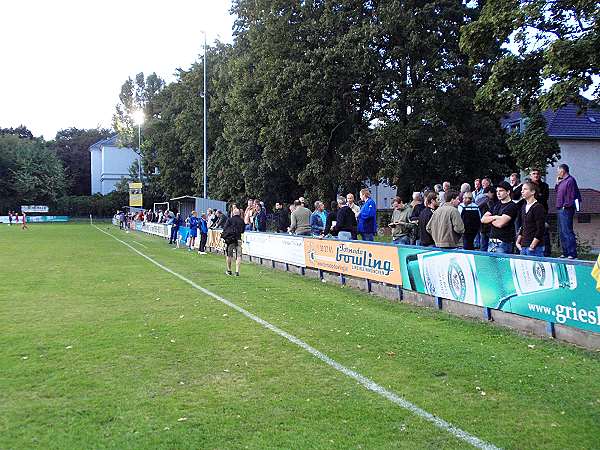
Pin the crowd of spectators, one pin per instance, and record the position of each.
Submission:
(506, 218)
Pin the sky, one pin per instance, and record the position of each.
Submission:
(64, 61)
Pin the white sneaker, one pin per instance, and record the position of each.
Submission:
(202, 253)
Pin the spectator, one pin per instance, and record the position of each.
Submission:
(330, 221)
(486, 206)
(282, 218)
(317, 224)
(259, 218)
(431, 204)
(300, 220)
(232, 235)
(367, 218)
(417, 206)
(445, 190)
(471, 217)
(482, 197)
(248, 219)
(353, 206)
(203, 227)
(567, 201)
(219, 221)
(445, 226)
(502, 220)
(177, 222)
(400, 225)
(530, 241)
(464, 188)
(193, 224)
(210, 218)
(345, 224)
(121, 219)
(542, 195)
(515, 186)
(477, 188)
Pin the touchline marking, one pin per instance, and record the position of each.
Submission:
(364, 381)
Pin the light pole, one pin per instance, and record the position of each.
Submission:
(138, 119)
(204, 93)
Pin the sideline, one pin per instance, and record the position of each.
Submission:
(364, 381)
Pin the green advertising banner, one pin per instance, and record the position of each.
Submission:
(544, 289)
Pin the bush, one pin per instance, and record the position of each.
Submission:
(97, 205)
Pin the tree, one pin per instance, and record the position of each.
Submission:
(72, 148)
(138, 95)
(30, 173)
(534, 148)
(428, 127)
(550, 52)
(21, 131)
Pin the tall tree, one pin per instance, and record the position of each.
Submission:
(72, 148)
(135, 96)
(550, 52)
(30, 173)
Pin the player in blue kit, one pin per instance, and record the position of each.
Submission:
(193, 224)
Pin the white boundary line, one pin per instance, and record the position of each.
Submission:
(364, 381)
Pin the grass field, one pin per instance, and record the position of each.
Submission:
(103, 349)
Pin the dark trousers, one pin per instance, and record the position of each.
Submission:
(203, 237)
(469, 241)
(173, 237)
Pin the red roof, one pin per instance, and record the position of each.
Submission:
(590, 201)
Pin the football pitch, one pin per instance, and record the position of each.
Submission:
(129, 343)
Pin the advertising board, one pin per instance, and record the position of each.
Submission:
(356, 258)
(278, 247)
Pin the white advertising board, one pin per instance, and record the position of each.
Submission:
(34, 208)
(278, 247)
(157, 229)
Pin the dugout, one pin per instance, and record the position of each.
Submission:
(188, 203)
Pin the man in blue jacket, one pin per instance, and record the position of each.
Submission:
(317, 224)
(367, 218)
(175, 224)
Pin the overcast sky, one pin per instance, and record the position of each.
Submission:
(64, 61)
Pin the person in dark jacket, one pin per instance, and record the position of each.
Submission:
(542, 195)
(232, 235)
(259, 221)
(530, 241)
(177, 222)
(484, 207)
(431, 204)
(203, 228)
(471, 216)
(331, 219)
(220, 220)
(282, 218)
(345, 223)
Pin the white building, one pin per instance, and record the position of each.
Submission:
(109, 163)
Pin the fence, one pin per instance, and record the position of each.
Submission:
(557, 292)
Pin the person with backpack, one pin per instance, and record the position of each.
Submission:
(232, 235)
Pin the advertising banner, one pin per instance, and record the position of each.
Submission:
(135, 194)
(278, 247)
(34, 219)
(359, 259)
(157, 229)
(543, 289)
(34, 209)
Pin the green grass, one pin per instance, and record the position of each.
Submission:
(102, 349)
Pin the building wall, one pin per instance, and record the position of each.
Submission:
(115, 165)
(583, 159)
(96, 170)
(383, 194)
